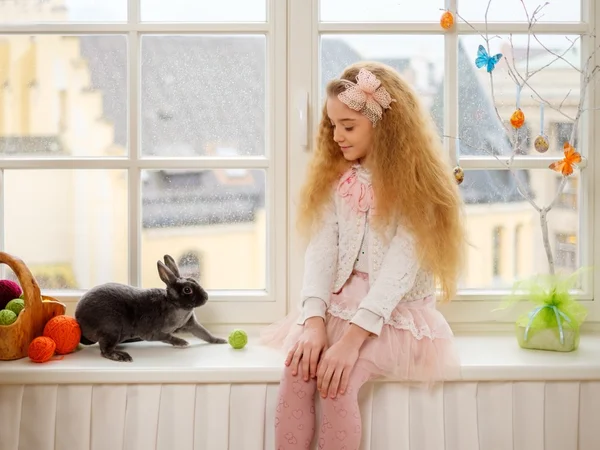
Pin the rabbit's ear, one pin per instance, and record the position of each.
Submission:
(170, 262)
(165, 274)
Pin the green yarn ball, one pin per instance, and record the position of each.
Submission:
(16, 305)
(7, 317)
(238, 339)
(22, 296)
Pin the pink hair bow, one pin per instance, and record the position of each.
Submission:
(366, 96)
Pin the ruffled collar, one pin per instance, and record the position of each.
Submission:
(355, 187)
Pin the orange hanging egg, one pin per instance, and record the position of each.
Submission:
(447, 20)
(517, 119)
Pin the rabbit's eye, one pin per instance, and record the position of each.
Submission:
(187, 290)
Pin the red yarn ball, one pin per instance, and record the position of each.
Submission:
(65, 332)
(41, 349)
(8, 290)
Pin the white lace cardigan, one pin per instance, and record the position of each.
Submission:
(394, 273)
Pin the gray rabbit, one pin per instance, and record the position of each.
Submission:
(114, 313)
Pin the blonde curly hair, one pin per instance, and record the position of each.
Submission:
(412, 181)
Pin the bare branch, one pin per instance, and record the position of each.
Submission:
(511, 73)
(472, 27)
(523, 193)
(555, 54)
(526, 12)
(559, 191)
(506, 127)
(539, 99)
(529, 75)
(523, 81)
(546, 240)
(564, 99)
(514, 62)
(487, 10)
(544, 224)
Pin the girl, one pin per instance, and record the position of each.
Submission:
(383, 214)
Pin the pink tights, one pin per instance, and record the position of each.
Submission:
(295, 417)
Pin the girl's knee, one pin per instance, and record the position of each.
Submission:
(295, 386)
(341, 405)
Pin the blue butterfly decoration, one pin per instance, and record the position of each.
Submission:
(484, 59)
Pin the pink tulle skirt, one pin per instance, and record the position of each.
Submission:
(416, 345)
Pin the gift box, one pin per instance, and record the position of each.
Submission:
(548, 328)
(554, 322)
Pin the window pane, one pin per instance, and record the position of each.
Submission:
(504, 229)
(557, 83)
(380, 11)
(203, 95)
(213, 222)
(63, 96)
(68, 226)
(513, 11)
(39, 11)
(419, 59)
(204, 11)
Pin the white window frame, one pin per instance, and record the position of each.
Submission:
(224, 307)
(470, 310)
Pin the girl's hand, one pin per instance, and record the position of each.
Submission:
(338, 361)
(308, 349)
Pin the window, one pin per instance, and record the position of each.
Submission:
(566, 251)
(518, 254)
(561, 133)
(504, 230)
(190, 266)
(131, 130)
(568, 198)
(497, 250)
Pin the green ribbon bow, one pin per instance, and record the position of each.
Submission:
(558, 313)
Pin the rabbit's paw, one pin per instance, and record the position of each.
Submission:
(178, 342)
(117, 355)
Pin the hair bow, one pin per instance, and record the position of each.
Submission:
(366, 96)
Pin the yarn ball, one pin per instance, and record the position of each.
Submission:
(8, 290)
(16, 305)
(238, 339)
(65, 332)
(7, 317)
(41, 349)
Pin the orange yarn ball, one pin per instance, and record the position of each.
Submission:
(41, 349)
(65, 332)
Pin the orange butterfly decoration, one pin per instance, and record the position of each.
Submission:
(565, 165)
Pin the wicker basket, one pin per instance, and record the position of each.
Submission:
(15, 338)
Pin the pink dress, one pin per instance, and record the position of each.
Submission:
(415, 344)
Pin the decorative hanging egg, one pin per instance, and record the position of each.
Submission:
(447, 20)
(541, 144)
(459, 174)
(517, 119)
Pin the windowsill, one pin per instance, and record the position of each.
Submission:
(484, 358)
